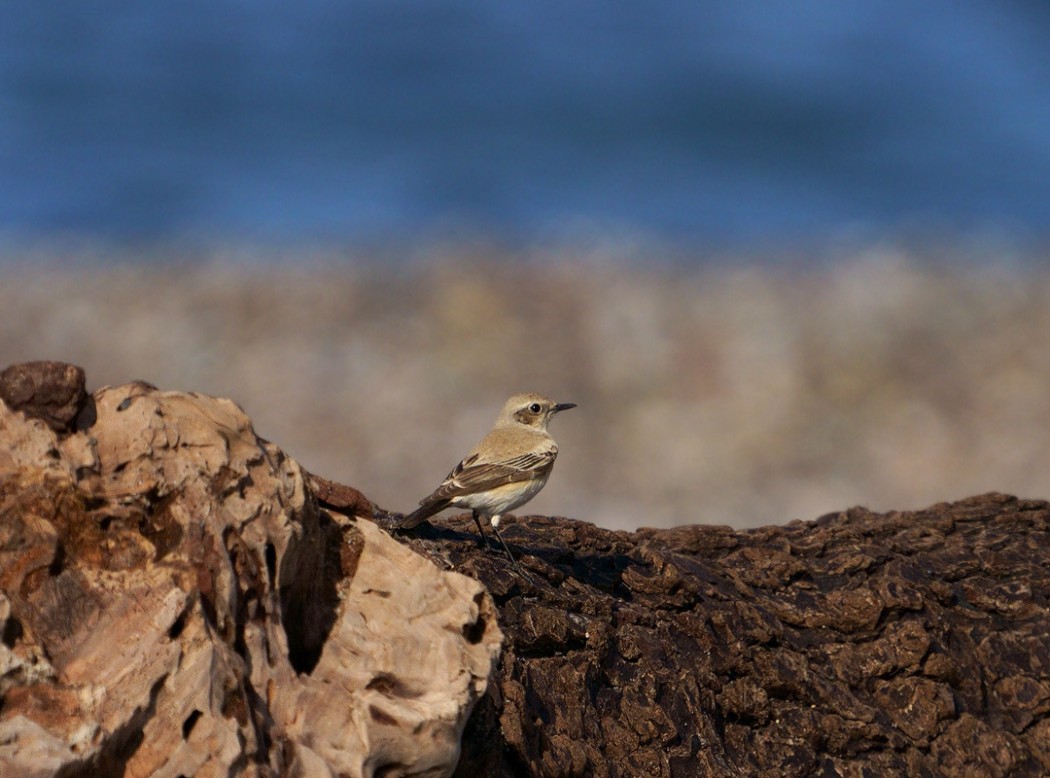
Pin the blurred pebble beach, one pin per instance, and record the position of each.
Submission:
(737, 392)
(787, 258)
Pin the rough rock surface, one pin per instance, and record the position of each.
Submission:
(173, 602)
(856, 645)
(50, 391)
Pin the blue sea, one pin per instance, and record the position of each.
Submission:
(731, 123)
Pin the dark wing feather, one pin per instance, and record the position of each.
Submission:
(469, 477)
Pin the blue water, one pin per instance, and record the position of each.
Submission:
(695, 121)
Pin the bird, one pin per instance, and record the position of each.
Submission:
(504, 471)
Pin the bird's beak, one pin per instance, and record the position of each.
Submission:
(563, 407)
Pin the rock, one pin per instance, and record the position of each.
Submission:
(858, 644)
(343, 498)
(173, 602)
(50, 391)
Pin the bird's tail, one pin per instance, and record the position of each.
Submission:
(422, 513)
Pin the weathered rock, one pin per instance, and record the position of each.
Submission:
(858, 644)
(173, 602)
(51, 391)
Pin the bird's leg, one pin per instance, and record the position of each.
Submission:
(495, 528)
(477, 520)
(505, 548)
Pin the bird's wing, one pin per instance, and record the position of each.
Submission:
(471, 476)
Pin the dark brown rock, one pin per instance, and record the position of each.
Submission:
(50, 391)
(341, 497)
(859, 644)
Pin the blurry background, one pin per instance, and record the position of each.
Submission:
(787, 258)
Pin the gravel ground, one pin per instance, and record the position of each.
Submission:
(737, 394)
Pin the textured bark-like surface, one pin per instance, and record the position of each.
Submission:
(856, 645)
(173, 602)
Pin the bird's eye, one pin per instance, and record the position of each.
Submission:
(535, 408)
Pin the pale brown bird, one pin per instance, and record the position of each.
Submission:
(504, 471)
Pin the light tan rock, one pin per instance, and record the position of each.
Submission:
(173, 602)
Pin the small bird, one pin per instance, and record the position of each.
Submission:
(504, 471)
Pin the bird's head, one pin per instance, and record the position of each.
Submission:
(531, 410)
